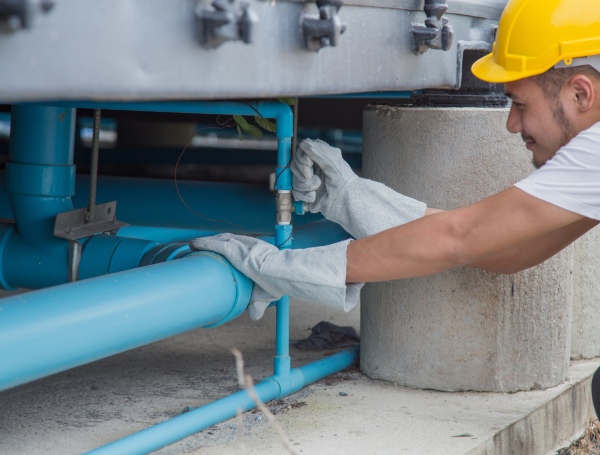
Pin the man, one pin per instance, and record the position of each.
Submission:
(547, 54)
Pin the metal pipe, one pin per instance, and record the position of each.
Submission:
(191, 422)
(47, 331)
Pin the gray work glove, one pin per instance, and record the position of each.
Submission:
(311, 274)
(327, 184)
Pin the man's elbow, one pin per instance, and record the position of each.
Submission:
(458, 244)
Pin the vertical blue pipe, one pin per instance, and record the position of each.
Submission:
(282, 360)
(40, 182)
(40, 171)
(42, 135)
(283, 238)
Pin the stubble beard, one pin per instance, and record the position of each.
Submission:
(567, 128)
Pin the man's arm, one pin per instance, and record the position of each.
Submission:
(533, 253)
(479, 234)
(536, 252)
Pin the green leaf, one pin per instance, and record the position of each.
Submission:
(254, 131)
(241, 121)
(289, 101)
(266, 124)
(239, 130)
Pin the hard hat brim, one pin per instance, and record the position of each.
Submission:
(488, 70)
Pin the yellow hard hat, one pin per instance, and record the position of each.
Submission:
(535, 35)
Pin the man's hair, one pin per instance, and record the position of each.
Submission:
(552, 81)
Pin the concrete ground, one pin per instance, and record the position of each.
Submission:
(348, 413)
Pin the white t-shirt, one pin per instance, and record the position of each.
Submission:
(571, 179)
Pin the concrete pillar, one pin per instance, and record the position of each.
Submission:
(463, 329)
(585, 335)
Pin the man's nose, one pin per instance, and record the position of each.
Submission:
(513, 122)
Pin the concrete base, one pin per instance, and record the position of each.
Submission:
(463, 329)
(585, 336)
(347, 414)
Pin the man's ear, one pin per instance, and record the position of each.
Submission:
(584, 91)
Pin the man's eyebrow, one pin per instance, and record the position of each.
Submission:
(508, 94)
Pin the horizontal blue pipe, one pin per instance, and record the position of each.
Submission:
(267, 109)
(232, 207)
(217, 207)
(47, 331)
(318, 233)
(185, 425)
(163, 234)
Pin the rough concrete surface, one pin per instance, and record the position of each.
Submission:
(463, 329)
(348, 413)
(585, 336)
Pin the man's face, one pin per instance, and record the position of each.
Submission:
(544, 124)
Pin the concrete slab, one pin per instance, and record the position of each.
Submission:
(348, 413)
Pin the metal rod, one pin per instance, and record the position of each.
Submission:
(94, 167)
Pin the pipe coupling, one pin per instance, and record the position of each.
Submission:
(284, 207)
(40, 179)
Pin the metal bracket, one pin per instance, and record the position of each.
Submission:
(18, 14)
(73, 225)
(436, 32)
(325, 29)
(95, 218)
(228, 21)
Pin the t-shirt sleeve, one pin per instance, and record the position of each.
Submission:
(571, 179)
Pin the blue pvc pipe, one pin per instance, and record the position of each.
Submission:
(163, 234)
(191, 422)
(40, 182)
(318, 233)
(55, 329)
(232, 207)
(42, 135)
(277, 110)
(215, 206)
(48, 331)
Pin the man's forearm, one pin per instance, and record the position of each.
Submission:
(533, 253)
(401, 252)
(470, 235)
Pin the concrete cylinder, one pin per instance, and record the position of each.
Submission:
(585, 336)
(462, 329)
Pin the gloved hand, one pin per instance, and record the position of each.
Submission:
(362, 207)
(312, 274)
